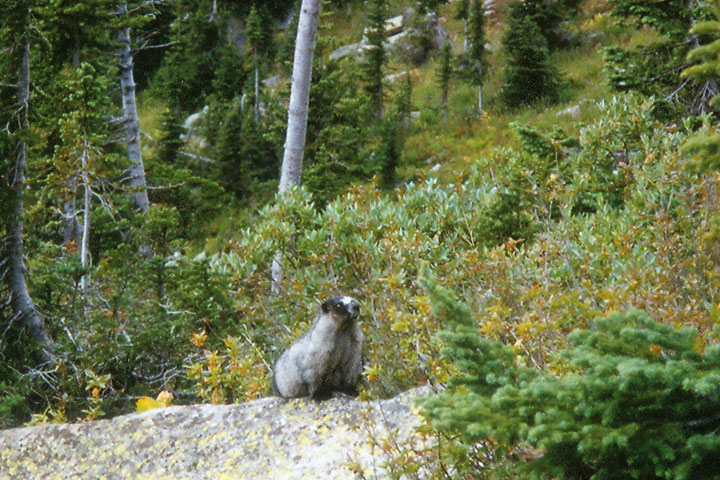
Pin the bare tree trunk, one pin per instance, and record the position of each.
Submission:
(21, 303)
(297, 111)
(299, 95)
(214, 12)
(257, 86)
(480, 100)
(85, 245)
(130, 120)
(465, 36)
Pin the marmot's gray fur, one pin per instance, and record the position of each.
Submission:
(328, 358)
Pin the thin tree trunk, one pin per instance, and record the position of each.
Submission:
(85, 246)
(257, 88)
(297, 111)
(480, 101)
(72, 231)
(299, 95)
(132, 125)
(21, 303)
(214, 13)
(465, 35)
(76, 53)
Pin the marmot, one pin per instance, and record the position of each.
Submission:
(328, 358)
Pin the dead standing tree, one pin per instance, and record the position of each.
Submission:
(297, 111)
(12, 265)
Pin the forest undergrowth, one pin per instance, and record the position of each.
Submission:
(544, 216)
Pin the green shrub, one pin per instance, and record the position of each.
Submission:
(639, 399)
(655, 250)
(12, 405)
(559, 271)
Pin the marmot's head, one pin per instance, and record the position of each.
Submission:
(344, 309)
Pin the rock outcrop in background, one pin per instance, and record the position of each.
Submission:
(270, 438)
(404, 39)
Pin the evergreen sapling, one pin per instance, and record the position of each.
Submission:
(528, 75)
(640, 400)
(375, 56)
(444, 75)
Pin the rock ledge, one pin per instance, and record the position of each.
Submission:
(270, 438)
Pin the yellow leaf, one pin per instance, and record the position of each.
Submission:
(164, 399)
(147, 403)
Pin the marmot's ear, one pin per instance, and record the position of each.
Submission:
(325, 306)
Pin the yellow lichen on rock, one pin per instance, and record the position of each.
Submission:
(264, 439)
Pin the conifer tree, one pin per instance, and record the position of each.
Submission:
(84, 129)
(189, 64)
(402, 107)
(528, 74)
(343, 120)
(639, 399)
(394, 132)
(245, 155)
(233, 175)
(79, 31)
(389, 151)
(170, 135)
(476, 47)
(444, 75)
(654, 68)
(375, 55)
(151, 38)
(230, 75)
(16, 26)
(287, 46)
(547, 15)
(705, 145)
(462, 9)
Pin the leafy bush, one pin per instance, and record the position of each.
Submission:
(653, 248)
(11, 405)
(557, 270)
(639, 399)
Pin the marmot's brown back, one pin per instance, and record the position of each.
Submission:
(328, 358)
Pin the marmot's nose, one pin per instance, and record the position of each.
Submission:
(354, 309)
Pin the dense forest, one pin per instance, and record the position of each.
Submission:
(522, 194)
